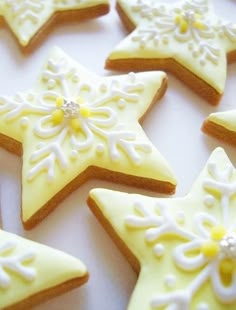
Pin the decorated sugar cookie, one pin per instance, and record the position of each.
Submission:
(184, 249)
(31, 273)
(221, 125)
(74, 125)
(185, 38)
(30, 20)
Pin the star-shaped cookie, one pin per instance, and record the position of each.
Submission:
(74, 125)
(31, 19)
(185, 38)
(221, 125)
(184, 249)
(31, 273)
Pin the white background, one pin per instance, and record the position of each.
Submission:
(173, 126)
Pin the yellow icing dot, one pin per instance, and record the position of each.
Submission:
(199, 25)
(75, 123)
(59, 101)
(183, 25)
(85, 111)
(178, 18)
(218, 232)
(210, 249)
(227, 266)
(57, 116)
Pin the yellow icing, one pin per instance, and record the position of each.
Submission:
(117, 207)
(153, 165)
(218, 232)
(59, 101)
(75, 124)
(52, 268)
(210, 249)
(85, 111)
(26, 23)
(226, 119)
(180, 50)
(199, 25)
(227, 267)
(184, 24)
(57, 116)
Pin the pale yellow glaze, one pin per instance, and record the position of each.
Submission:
(212, 73)
(118, 207)
(51, 268)
(226, 119)
(152, 164)
(31, 15)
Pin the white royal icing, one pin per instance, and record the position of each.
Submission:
(9, 262)
(158, 222)
(26, 9)
(156, 24)
(159, 250)
(103, 123)
(170, 281)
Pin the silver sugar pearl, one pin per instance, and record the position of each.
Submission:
(228, 245)
(189, 16)
(70, 109)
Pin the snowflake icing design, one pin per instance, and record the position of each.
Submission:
(27, 17)
(211, 241)
(15, 264)
(79, 112)
(188, 23)
(26, 9)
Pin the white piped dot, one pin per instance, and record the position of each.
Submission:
(75, 78)
(209, 201)
(103, 88)
(30, 97)
(100, 148)
(51, 83)
(159, 250)
(170, 281)
(202, 62)
(24, 122)
(121, 103)
(203, 306)
(73, 154)
(180, 217)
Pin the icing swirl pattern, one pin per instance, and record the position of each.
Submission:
(72, 120)
(187, 23)
(27, 17)
(215, 247)
(28, 269)
(94, 116)
(187, 31)
(15, 263)
(190, 243)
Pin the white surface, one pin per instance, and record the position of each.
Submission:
(173, 126)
